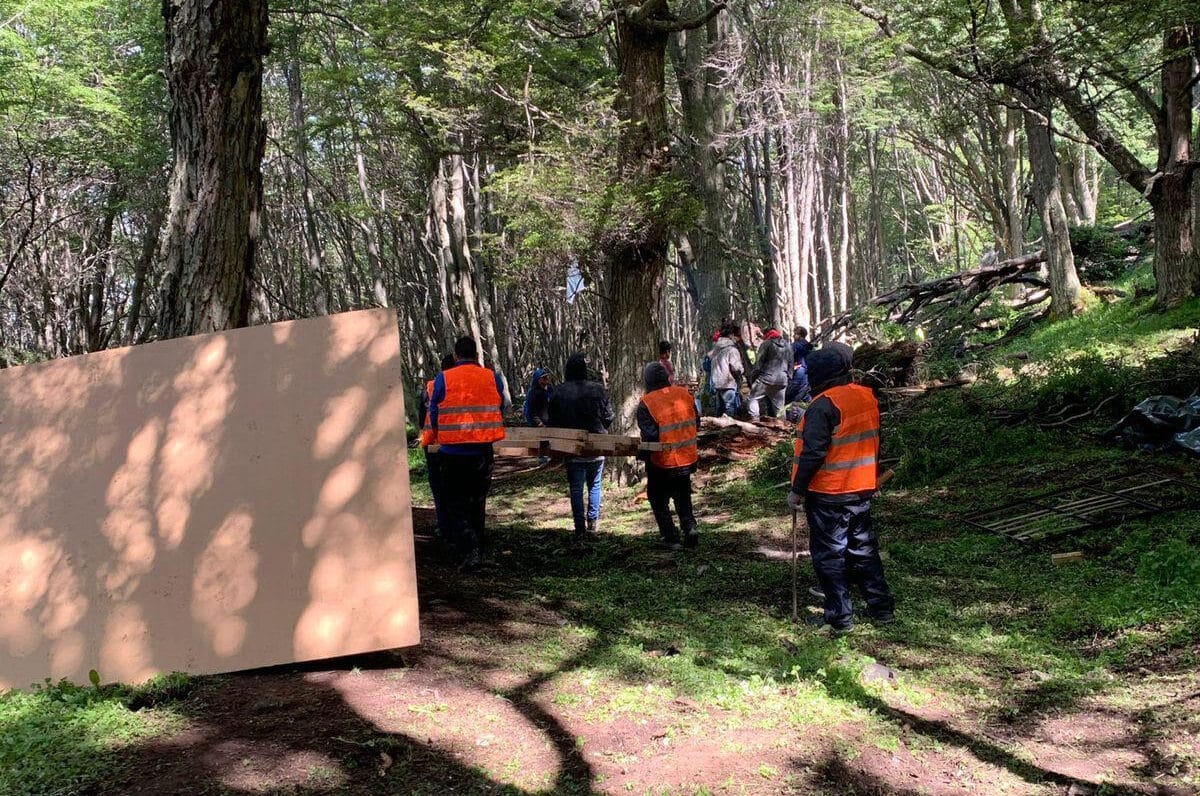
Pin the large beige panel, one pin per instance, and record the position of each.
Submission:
(207, 504)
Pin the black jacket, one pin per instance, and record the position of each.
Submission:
(820, 420)
(584, 405)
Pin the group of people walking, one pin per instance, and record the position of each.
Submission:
(775, 374)
(834, 474)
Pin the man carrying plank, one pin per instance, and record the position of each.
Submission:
(466, 415)
(667, 415)
(583, 404)
(834, 475)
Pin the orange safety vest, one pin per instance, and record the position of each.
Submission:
(470, 412)
(427, 429)
(853, 459)
(674, 410)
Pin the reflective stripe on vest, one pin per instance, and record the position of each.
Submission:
(853, 459)
(427, 429)
(674, 410)
(470, 412)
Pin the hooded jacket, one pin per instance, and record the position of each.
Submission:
(726, 364)
(828, 366)
(580, 402)
(537, 400)
(655, 377)
(773, 362)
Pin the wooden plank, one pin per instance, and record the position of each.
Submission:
(520, 453)
(526, 433)
(650, 446)
(572, 447)
(1066, 558)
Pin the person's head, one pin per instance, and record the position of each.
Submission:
(800, 333)
(731, 330)
(576, 368)
(465, 350)
(655, 377)
(448, 361)
(773, 334)
(829, 366)
(544, 379)
(664, 348)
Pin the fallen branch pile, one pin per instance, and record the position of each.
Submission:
(949, 303)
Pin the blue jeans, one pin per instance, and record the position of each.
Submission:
(728, 401)
(581, 473)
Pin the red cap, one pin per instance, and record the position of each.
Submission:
(773, 334)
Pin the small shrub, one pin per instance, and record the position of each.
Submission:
(1100, 253)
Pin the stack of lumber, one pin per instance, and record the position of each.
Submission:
(520, 441)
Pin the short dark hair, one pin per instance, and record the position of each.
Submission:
(664, 347)
(730, 329)
(448, 361)
(801, 332)
(465, 349)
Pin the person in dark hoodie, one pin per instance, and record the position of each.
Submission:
(667, 414)
(834, 476)
(537, 399)
(582, 403)
(772, 366)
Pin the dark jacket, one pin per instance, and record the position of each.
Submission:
(828, 367)
(801, 348)
(655, 377)
(773, 362)
(537, 400)
(580, 402)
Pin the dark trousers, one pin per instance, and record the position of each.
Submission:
(845, 553)
(664, 486)
(466, 481)
(433, 465)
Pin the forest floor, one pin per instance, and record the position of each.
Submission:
(619, 668)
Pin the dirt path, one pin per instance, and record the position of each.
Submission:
(514, 691)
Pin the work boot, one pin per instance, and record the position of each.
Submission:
(691, 540)
(593, 525)
(669, 543)
(818, 622)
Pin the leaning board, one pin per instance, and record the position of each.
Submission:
(207, 504)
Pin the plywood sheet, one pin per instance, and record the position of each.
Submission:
(207, 504)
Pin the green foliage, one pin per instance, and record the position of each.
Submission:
(1101, 255)
(62, 738)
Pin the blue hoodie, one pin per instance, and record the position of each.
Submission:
(537, 400)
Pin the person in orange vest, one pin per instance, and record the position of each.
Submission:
(667, 414)
(432, 458)
(466, 415)
(834, 477)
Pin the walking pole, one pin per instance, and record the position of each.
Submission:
(795, 603)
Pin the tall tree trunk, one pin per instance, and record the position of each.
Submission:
(314, 255)
(1047, 196)
(636, 258)
(141, 270)
(214, 52)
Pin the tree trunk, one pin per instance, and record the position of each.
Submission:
(313, 250)
(214, 79)
(1047, 195)
(636, 257)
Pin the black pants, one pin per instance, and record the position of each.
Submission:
(663, 486)
(466, 481)
(845, 553)
(433, 468)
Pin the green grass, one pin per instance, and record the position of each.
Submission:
(61, 738)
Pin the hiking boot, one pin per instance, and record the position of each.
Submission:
(691, 540)
(593, 525)
(885, 618)
(472, 563)
(818, 622)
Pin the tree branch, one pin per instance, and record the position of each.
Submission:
(680, 25)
